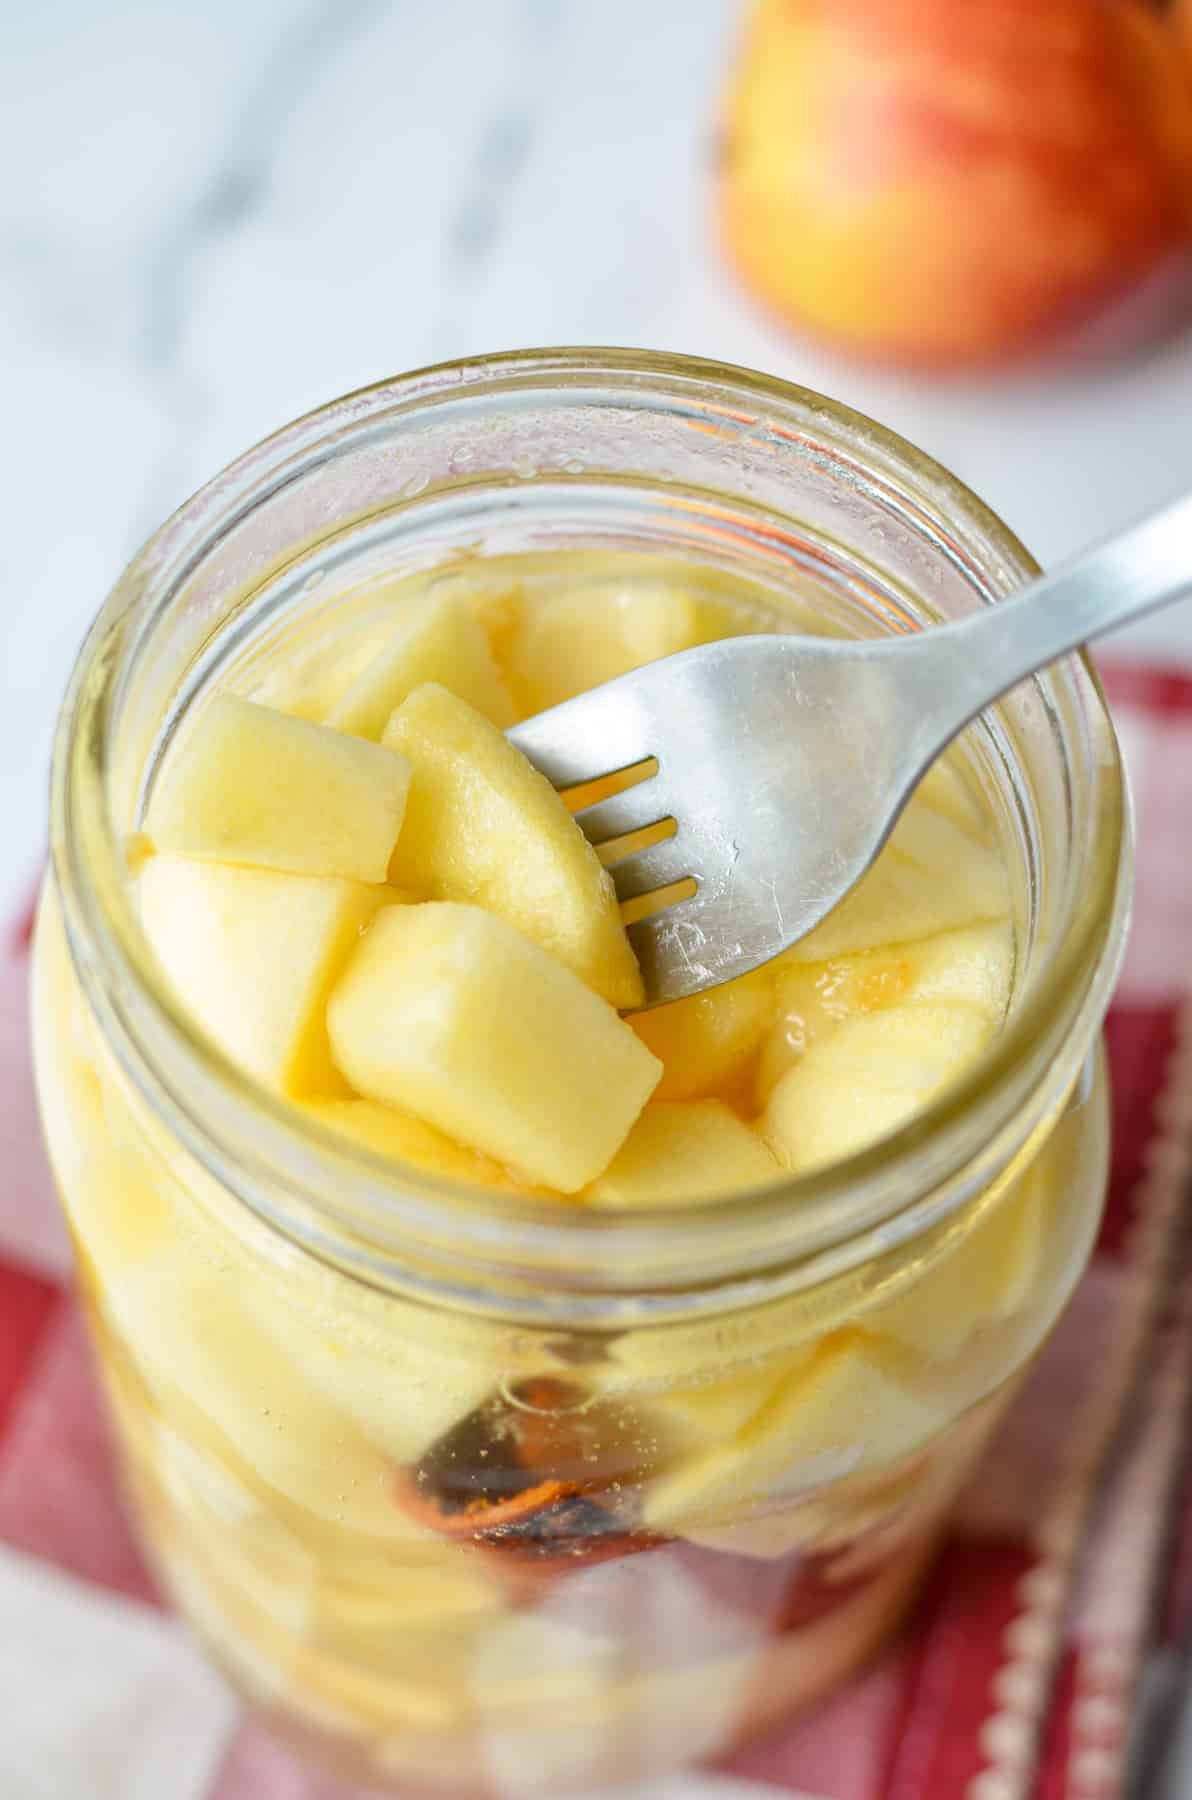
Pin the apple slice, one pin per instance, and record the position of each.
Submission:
(253, 953)
(451, 1014)
(840, 1407)
(484, 827)
(436, 639)
(684, 1150)
(238, 1396)
(705, 1041)
(251, 785)
(867, 1078)
(575, 640)
(409, 1140)
(932, 876)
(968, 968)
(985, 1280)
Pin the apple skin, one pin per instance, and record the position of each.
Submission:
(952, 182)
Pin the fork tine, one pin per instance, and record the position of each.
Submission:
(620, 814)
(597, 733)
(653, 868)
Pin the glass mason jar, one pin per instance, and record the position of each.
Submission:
(400, 1448)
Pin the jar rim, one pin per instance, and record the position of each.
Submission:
(465, 1244)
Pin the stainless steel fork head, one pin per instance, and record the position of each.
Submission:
(762, 756)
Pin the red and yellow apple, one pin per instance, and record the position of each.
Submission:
(941, 182)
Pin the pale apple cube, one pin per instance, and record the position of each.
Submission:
(932, 876)
(705, 1041)
(944, 789)
(123, 1209)
(970, 968)
(843, 1406)
(253, 954)
(400, 1135)
(399, 1391)
(485, 828)
(451, 1014)
(988, 1277)
(247, 784)
(437, 638)
(187, 1323)
(870, 1076)
(691, 1418)
(681, 1151)
(498, 610)
(575, 640)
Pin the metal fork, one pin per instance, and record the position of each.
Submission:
(785, 761)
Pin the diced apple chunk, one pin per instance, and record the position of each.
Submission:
(576, 640)
(251, 785)
(684, 1150)
(436, 639)
(498, 611)
(253, 953)
(389, 1132)
(932, 876)
(867, 1078)
(485, 828)
(705, 1041)
(842, 1406)
(987, 1278)
(970, 968)
(200, 1347)
(451, 1014)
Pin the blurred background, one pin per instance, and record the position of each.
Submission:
(215, 217)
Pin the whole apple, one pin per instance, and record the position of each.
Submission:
(951, 181)
(1183, 25)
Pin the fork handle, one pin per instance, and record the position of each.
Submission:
(960, 668)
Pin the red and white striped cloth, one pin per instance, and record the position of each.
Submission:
(1014, 1680)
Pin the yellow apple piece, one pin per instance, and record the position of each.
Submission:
(389, 1132)
(576, 639)
(972, 967)
(871, 1075)
(437, 638)
(983, 1281)
(247, 784)
(932, 876)
(495, 599)
(399, 1390)
(451, 1014)
(253, 953)
(844, 1405)
(684, 1150)
(485, 828)
(705, 1041)
(238, 1395)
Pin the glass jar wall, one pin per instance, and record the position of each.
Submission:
(469, 1490)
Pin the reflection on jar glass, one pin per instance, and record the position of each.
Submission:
(471, 1488)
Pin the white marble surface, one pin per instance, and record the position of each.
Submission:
(214, 217)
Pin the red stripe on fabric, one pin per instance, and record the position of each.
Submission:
(1139, 1040)
(21, 934)
(953, 1652)
(1148, 687)
(1055, 1749)
(60, 1496)
(27, 1305)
